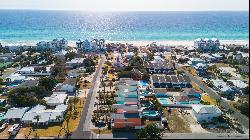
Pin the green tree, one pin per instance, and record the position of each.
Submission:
(48, 82)
(70, 55)
(244, 108)
(37, 118)
(88, 62)
(67, 119)
(151, 131)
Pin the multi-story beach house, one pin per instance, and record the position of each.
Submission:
(55, 45)
(170, 81)
(87, 45)
(159, 68)
(16, 47)
(128, 114)
(206, 44)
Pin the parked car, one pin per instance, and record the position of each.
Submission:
(4, 126)
(14, 129)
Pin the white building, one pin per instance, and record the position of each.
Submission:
(55, 45)
(205, 112)
(35, 71)
(158, 59)
(221, 86)
(195, 61)
(57, 98)
(239, 83)
(46, 116)
(207, 44)
(15, 114)
(76, 62)
(15, 78)
(68, 86)
(16, 46)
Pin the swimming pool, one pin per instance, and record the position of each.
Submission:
(1, 116)
(143, 83)
(150, 113)
(163, 101)
(12, 85)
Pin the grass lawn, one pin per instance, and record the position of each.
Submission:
(4, 64)
(191, 71)
(209, 99)
(196, 87)
(221, 65)
(52, 131)
(102, 131)
(176, 123)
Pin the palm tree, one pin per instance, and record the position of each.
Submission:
(67, 119)
(218, 101)
(110, 85)
(75, 100)
(37, 118)
(58, 118)
(104, 89)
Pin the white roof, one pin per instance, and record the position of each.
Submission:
(214, 39)
(226, 69)
(206, 109)
(45, 115)
(16, 76)
(206, 55)
(216, 55)
(32, 112)
(27, 69)
(239, 83)
(206, 39)
(16, 113)
(200, 65)
(56, 98)
(221, 85)
(76, 60)
(61, 107)
(196, 59)
(130, 53)
(198, 39)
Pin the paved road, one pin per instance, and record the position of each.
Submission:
(126, 135)
(204, 136)
(83, 131)
(242, 119)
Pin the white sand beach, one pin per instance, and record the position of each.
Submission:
(138, 43)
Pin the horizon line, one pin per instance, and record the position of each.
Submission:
(128, 10)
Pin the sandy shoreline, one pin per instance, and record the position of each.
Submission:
(141, 43)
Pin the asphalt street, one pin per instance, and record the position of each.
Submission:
(82, 131)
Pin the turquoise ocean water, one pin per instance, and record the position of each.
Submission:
(16, 25)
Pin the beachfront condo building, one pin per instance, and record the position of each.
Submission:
(93, 45)
(206, 44)
(55, 45)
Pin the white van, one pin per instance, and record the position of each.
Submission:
(14, 129)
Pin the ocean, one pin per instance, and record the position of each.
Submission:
(28, 25)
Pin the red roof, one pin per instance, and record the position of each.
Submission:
(130, 103)
(119, 111)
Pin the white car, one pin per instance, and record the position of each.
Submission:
(4, 125)
(14, 129)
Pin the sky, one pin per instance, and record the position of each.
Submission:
(128, 5)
